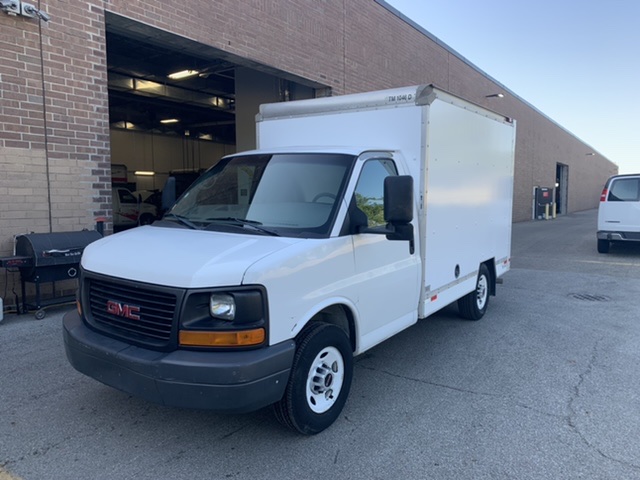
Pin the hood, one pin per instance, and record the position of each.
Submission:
(179, 257)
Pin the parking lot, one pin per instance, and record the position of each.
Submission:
(545, 386)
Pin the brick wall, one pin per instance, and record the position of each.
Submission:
(58, 181)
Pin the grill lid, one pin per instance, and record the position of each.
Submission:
(46, 249)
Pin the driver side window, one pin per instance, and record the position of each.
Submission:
(369, 191)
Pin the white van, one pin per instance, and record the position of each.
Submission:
(619, 211)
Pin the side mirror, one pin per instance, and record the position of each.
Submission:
(398, 199)
(168, 194)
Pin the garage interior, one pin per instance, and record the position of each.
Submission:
(161, 122)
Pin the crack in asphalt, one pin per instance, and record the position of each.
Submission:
(574, 414)
(570, 419)
(463, 390)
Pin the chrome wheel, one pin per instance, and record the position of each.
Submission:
(325, 379)
(482, 292)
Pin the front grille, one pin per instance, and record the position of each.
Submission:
(138, 313)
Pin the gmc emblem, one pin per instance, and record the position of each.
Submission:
(123, 310)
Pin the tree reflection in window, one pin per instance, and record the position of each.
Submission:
(370, 189)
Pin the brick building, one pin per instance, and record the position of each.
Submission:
(90, 88)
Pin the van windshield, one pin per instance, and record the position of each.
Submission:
(294, 195)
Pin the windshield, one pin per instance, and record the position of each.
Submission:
(284, 194)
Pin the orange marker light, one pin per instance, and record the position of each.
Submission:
(243, 338)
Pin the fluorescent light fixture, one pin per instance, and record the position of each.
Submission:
(169, 120)
(144, 173)
(183, 74)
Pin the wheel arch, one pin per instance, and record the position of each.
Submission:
(338, 314)
(491, 266)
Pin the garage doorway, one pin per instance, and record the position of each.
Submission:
(177, 104)
(562, 188)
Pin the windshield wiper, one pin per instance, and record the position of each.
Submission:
(241, 222)
(183, 220)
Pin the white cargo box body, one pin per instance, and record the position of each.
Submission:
(460, 155)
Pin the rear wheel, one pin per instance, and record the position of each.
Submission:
(320, 380)
(474, 305)
(603, 246)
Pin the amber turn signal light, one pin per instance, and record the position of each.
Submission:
(243, 338)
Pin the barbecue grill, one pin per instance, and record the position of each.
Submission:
(48, 257)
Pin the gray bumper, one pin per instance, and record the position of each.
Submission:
(231, 382)
(618, 236)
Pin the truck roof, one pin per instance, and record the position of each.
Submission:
(391, 98)
(346, 150)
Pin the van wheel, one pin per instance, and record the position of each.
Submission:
(473, 305)
(603, 246)
(320, 380)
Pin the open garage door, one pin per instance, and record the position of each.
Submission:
(179, 105)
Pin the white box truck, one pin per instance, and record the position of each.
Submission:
(355, 217)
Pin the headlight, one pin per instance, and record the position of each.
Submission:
(222, 306)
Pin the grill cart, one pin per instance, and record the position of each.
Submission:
(47, 258)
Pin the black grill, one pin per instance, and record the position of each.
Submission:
(132, 311)
(48, 257)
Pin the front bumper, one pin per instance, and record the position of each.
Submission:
(229, 382)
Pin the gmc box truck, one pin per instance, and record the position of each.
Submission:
(356, 216)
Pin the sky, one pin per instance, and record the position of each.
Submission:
(577, 61)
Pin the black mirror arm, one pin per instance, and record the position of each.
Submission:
(402, 232)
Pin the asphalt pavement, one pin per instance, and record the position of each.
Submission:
(545, 386)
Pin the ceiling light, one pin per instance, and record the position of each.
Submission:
(124, 124)
(183, 74)
(169, 120)
(144, 173)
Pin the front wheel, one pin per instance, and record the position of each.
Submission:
(320, 380)
(474, 305)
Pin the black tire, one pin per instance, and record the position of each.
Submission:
(603, 246)
(323, 359)
(474, 304)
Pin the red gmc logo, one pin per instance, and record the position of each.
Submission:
(122, 310)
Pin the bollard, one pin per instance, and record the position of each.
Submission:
(100, 225)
